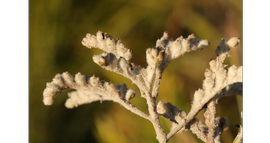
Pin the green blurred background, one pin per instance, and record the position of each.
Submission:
(56, 28)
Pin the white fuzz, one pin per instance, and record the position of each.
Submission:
(99, 59)
(232, 72)
(208, 73)
(48, 96)
(110, 43)
(233, 42)
(96, 91)
(220, 78)
(94, 81)
(121, 49)
(185, 44)
(58, 80)
(202, 44)
(48, 99)
(96, 58)
(218, 82)
(150, 59)
(180, 46)
(160, 42)
(128, 55)
(153, 54)
(89, 41)
(130, 94)
(73, 100)
(49, 93)
(123, 64)
(175, 49)
(213, 65)
(67, 78)
(80, 97)
(100, 37)
(110, 87)
(80, 79)
(240, 73)
(208, 83)
(198, 95)
(161, 108)
(107, 44)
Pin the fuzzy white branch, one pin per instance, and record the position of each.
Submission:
(218, 83)
(210, 120)
(116, 57)
(122, 67)
(196, 126)
(173, 113)
(89, 90)
(165, 51)
(151, 102)
(158, 59)
(108, 44)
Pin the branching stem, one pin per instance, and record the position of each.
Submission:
(218, 83)
(161, 136)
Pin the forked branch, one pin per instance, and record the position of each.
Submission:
(218, 83)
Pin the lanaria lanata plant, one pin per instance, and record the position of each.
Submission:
(218, 82)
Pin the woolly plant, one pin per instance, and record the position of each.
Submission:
(219, 82)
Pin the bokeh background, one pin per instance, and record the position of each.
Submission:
(56, 28)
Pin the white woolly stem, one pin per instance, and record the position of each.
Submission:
(161, 136)
(89, 90)
(156, 85)
(173, 113)
(210, 116)
(218, 83)
(181, 124)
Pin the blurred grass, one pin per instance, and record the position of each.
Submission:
(56, 29)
